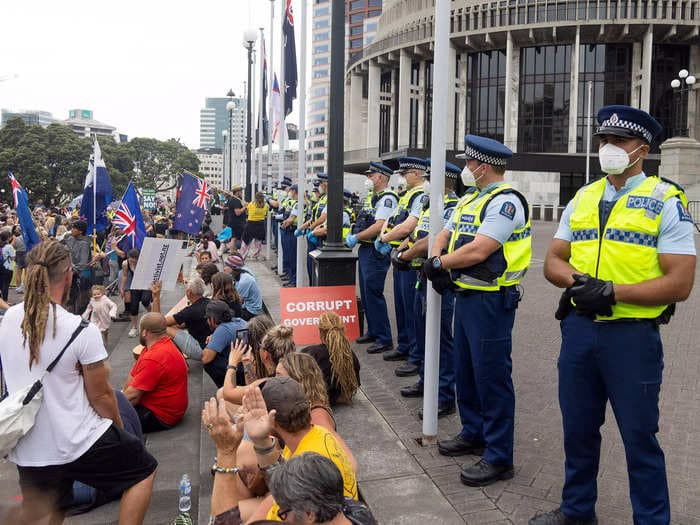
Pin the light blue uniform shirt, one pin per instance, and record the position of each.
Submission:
(676, 234)
(417, 206)
(504, 215)
(385, 207)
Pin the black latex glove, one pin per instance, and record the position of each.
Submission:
(592, 296)
(397, 263)
(429, 270)
(442, 282)
(565, 306)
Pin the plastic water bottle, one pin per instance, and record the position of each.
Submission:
(185, 502)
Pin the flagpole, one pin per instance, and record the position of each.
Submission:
(259, 149)
(301, 183)
(283, 122)
(268, 244)
(250, 175)
(94, 199)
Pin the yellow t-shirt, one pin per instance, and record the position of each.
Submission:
(256, 214)
(323, 442)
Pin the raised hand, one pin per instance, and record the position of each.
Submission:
(226, 436)
(258, 421)
(238, 351)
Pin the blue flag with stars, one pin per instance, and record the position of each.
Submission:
(192, 204)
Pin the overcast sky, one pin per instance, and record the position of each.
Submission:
(143, 66)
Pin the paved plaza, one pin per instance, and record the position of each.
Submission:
(407, 483)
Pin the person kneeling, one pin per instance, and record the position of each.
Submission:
(157, 384)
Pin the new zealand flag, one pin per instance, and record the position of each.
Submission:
(191, 204)
(290, 59)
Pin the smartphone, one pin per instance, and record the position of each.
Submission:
(242, 335)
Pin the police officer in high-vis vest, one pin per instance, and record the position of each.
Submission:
(413, 258)
(625, 254)
(321, 232)
(317, 218)
(399, 226)
(379, 205)
(287, 228)
(488, 252)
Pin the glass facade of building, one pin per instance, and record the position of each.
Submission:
(485, 94)
(667, 61)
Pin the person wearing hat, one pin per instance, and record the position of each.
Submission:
(321, 232)
(412, 256)
(625, 254)
(318, 218)
(234, 216)
(489, 250)
(379, 205)
(288, 226)
(80, 253)
(223, 326)
(277, 203)
(246, 285)
(397, 228)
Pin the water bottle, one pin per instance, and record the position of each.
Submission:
(185, 502)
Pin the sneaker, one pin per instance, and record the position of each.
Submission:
(132, 332)
(20, 289)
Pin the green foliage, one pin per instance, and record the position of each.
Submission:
(51, 163)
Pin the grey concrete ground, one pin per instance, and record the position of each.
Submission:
(407, 483)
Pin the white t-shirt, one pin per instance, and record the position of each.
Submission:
(66, 425)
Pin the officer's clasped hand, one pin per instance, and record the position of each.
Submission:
(592, 296)
(382, 247)
(442, 282)
(429, 269)
(351, 240)
(399, 263)
(311, 237)
(298, 233)
(565, 306)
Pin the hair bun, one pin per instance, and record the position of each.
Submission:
(286, 331)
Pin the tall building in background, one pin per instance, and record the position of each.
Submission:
(29, 116)
(213, 120)
(361, 26)
(211, 165)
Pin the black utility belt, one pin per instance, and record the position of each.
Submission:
(627, 320)
(467, 291)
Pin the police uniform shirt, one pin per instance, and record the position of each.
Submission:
(385, 207)
(417, 206)
(504, 214)
(447, 214)
(676, 235)
(322, 207)
(346, 219)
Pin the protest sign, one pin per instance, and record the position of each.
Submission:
(148, 199)
(302, 307)
(160, 260)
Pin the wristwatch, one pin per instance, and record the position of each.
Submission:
(437, 263)
(232, 367)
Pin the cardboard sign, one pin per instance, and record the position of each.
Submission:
(148, 199)
(301, 309)
(160, 260)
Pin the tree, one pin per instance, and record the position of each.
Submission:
(159, 164)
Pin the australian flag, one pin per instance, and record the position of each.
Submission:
(128, 218)
(191, 204)
(97, 194)
(290, 59)
(29, 235)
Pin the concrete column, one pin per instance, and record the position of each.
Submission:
(647, 49)
(680, 157)
(510, 113)
(693, 110)
(404, 98)
(635, 86)
(421, 105)
(392, 114)
(573, 100)
(373, 108)
(462, 109)
(451, 91)
(357, 140)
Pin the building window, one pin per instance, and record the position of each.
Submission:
(356, 30)
(413, 123)
(428, 106)
(357, 17)
(385, 114)
(667, 61)
(543, 114)
(321, 11)
(570, 183)
(320, 36)
(609, 67)
(357, 4)
(322, 23)
(323, 48)
(374, 3)
(372, 14)
(415, 73)
(356, 43)
(486, 93)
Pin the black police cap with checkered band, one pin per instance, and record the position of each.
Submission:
(485, 150)
(626, 121)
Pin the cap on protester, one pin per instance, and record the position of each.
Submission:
(219, 311)
(236, 188)
(412, 163)
(378, 167)
(81, 226)
(629, 122)
(485, 150)
(234, 262)
(286, 396)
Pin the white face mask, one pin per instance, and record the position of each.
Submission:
(426, 186)
(615, 160)
(369, 185)
(401, 180)
(468, 178)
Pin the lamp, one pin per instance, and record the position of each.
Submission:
(682, 87)
(249, 38)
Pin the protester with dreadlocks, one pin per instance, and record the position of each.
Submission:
(78, 433)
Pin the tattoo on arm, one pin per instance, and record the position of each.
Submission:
(95, 365)
(248, 373)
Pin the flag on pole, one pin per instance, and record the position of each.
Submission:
(31, 238)
(97, 194)
(191, 205)
(290, 59)
(128, 218)
(276, 113)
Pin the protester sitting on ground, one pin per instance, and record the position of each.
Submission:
(132, 298)
(281, 411)
(204, 257)
(101, 310)
(278, 342)
(224, 328)
(157, 383)
(246, 286)
(78, 432)
(223, 290)
(205, 245)
(188, 328)
(206, 271)
(338, 363)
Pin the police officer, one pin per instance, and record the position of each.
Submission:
(287, 228)
(379, 205)
(625, 253)
(317, 218)
(416, 254)
(397, 228)
(281, 204)
(321, 232)
(488, 252)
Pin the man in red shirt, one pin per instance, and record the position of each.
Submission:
(157, 384)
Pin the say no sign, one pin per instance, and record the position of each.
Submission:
(302, 307)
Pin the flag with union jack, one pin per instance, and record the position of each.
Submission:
(128, 218)
(192, 204)
(29, 235)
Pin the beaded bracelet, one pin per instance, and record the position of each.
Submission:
(216, 469)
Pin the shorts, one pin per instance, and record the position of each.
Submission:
(21, 260)
(136, 296)
(188, 345)
(116, 462)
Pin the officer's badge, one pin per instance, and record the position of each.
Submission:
(613, 118)
(508, 210)
(683, 213)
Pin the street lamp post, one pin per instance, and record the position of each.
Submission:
(230, 106)
(249, 38)
(682, 87)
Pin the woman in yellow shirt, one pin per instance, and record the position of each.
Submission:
(254, 233)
